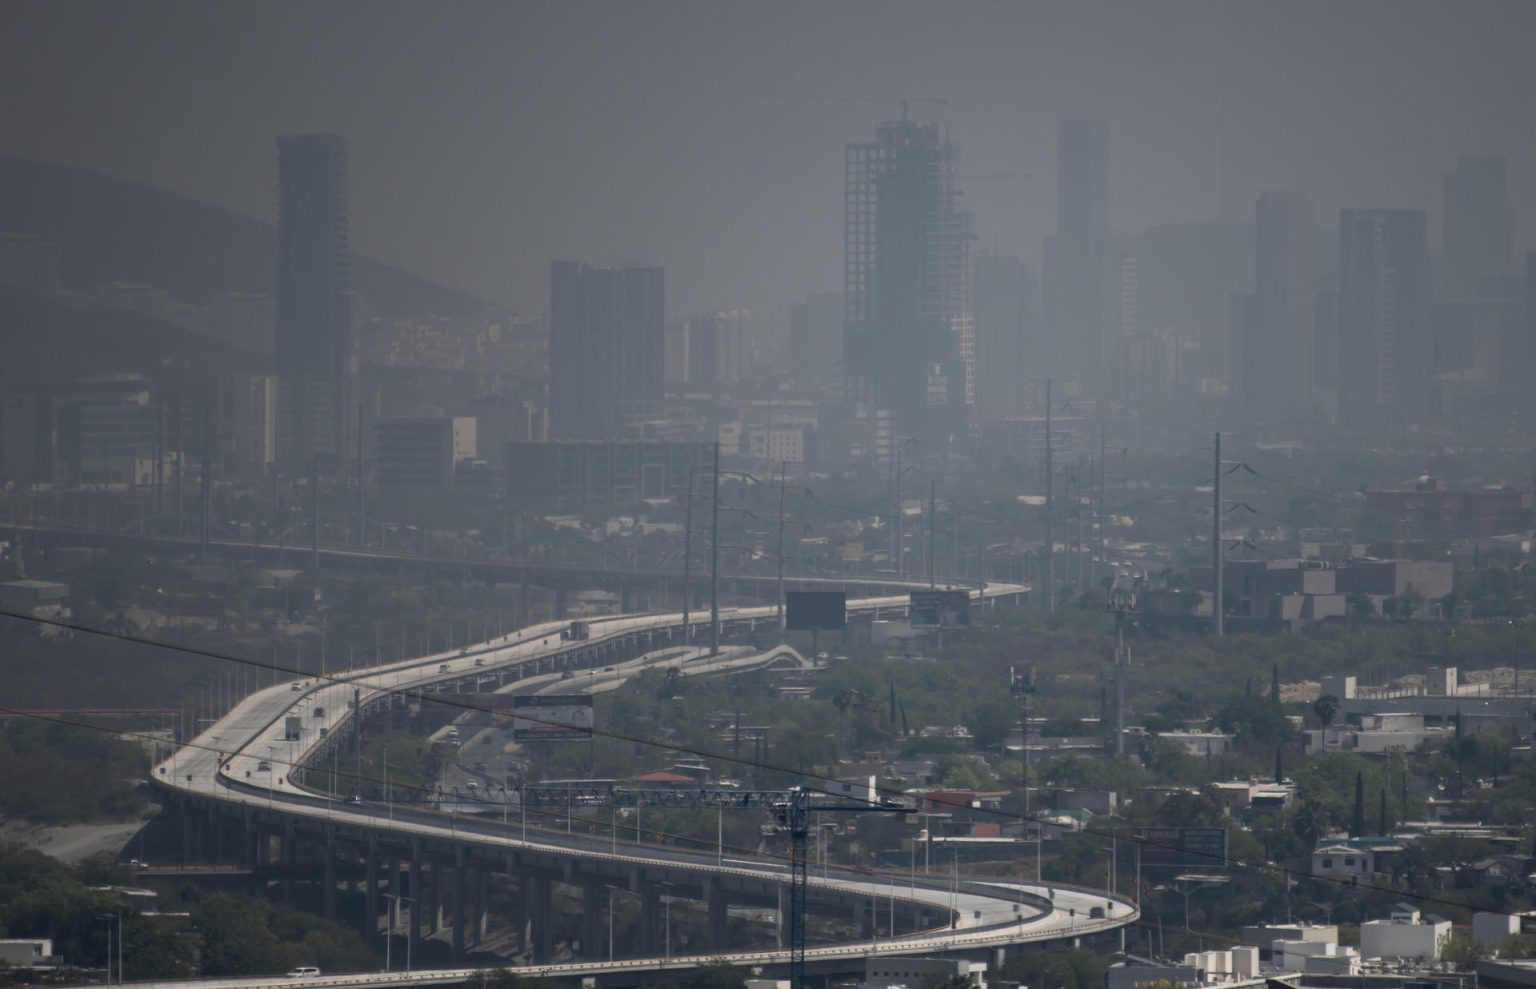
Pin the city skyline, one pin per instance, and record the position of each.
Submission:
(740, 182)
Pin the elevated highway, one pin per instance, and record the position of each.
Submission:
(237, 787)
(635, 587)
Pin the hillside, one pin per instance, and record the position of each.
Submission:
(46, 343)
(116, 229)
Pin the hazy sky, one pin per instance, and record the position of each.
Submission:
(488, 138)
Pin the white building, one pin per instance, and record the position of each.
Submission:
(1494, 927)
(883, 973)
(26, 952)
(1404, 935)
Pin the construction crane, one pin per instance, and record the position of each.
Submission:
(792, 815)
(791, 808)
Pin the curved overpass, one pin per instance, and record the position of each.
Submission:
(241, 766)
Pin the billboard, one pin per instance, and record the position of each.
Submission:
(808, 610)
(1182, 848)
(551, 717)
(945, 609)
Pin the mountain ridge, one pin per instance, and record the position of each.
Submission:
(117, 229)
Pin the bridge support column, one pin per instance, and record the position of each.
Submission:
(431, 900)
(328, 874)
(520, 914)
(371, 891)
(477, 907)
(459, 920)
(593, 896)
(715, 898)
(538, 919)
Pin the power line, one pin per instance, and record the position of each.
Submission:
(881, 792)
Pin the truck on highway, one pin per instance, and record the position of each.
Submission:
(293, 727)
(579, 631)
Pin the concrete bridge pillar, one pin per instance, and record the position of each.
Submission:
(715, 898)
(477, 907)
(520, 912)
(371, 891)
(459, 920)
(650, 919)
(431, 901)
(328, 873)
(593, 937)
(538, 917)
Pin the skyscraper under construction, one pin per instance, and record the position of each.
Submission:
(908, 341)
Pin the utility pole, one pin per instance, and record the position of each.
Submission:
(1122, 667)
(714, 560)
(933, 487)
(688, 557)
(1099, 515)
(181, 464)
(207, 494)
(159, 459)
(779, 607)
(362, 523)
(1022, 686)
(314, 505)
(1050, 507)
(1218, 624)
(896, 553)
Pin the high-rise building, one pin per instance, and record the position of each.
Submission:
(1476, 230)
(717, 343)
(248, 416)
(313, 342)
(1386, 364)
(1078, 282)
(606, 347)
(906, 279)
(1005, 313)
(1276, 378)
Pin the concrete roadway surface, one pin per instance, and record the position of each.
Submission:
(243, 758)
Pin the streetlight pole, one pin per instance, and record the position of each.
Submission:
(396, 899)
(688, 557)
(612, 890)
(714, 559)
(779, 607)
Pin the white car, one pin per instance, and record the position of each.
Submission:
(304, 972)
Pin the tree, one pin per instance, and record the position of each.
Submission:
(1463, 950)
(947, 982)
(237, 939)
(1357, 819)
(1326, 708)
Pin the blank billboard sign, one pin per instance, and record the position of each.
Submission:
(551, 717)
(813, 610)
(944, 609)
(1183, 848)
